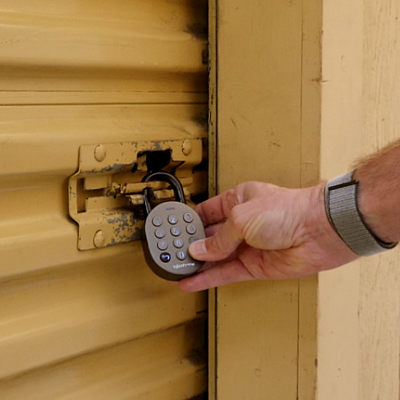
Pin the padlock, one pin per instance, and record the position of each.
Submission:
(169, 228)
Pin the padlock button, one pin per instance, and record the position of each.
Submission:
(172, 219)
(188, 217)
(178, 243)
(162, 245)
(175, 231)
(157, 221)
(165, 257)
(180, 255)
(191, 229)
(159, 233)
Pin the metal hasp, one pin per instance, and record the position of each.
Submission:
(105, 195)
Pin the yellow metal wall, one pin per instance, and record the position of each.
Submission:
(95, 324)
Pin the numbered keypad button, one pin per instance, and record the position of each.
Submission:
(175, 231)
(157, 221)
(181, 255)
(165, 257)
(178, 243)
(193, 239)
(191, 229)
(188, 217)
(172, 219)
(159, 233)
(162, 245)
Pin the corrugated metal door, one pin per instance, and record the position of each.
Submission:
(93, 324)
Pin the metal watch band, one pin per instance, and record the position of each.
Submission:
(345, 218)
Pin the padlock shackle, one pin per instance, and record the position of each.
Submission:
(163, 177)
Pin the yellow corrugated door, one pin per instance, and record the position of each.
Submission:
(93, 324)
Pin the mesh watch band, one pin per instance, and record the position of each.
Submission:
(345, 218)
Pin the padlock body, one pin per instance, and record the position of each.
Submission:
(169, 229)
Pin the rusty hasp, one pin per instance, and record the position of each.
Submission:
(106, 192)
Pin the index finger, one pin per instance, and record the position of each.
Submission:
(217, 208)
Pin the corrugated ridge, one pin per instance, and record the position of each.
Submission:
(141, 46)
(114, 372)
(37, 140)
(80, 325)
(60, 313)
(32, 38)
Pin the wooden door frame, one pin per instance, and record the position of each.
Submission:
(346, 63)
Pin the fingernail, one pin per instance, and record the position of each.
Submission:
(198, 248)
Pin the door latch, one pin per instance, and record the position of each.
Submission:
(105, 194)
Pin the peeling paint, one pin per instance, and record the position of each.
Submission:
(120, 223)
(157, 146)
(112, 168)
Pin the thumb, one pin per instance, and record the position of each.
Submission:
(219, 246)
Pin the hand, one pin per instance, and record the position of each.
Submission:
(261, 231)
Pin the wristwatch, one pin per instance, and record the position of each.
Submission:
(345, 217)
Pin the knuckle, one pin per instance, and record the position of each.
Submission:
(237, 219)
(231, 200)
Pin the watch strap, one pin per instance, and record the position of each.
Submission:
(346, 219)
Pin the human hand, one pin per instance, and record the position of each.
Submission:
(261, 231)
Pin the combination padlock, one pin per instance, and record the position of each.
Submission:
(169, 229)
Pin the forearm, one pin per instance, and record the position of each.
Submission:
(262, 231)
(379, 192)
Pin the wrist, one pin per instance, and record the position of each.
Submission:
(373, 209)
(321, 231)
(342, 202)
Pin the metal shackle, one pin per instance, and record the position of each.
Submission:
(163, 177)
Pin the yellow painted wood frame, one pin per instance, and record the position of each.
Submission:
(300, 89)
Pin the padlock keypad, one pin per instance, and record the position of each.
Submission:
(170, 228)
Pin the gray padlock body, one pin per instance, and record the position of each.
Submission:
(168, 235)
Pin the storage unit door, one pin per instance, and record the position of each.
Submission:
(96, 323)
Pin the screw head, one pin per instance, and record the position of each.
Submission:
(100, 153)
(99, 239)
(187, 147)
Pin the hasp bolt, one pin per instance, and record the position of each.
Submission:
(100, 153)
(187, 147)
(99, 239)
